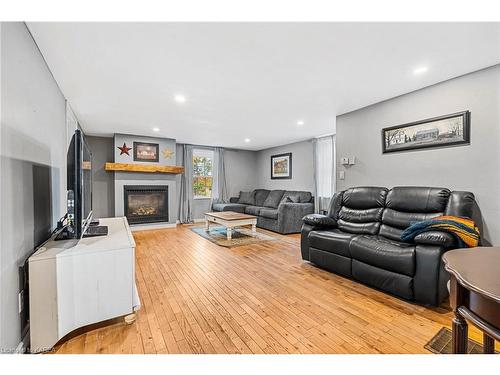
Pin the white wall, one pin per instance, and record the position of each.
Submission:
(33, 145)
(302, 167)
(474, 168)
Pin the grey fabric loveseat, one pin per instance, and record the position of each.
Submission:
(276, 210)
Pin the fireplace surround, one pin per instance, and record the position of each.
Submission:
(145, 203)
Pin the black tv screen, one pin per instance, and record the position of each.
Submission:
(79, 184)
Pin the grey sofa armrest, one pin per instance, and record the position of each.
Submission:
(290, 216)
(233, 199)
(437, 238)
(318, 220)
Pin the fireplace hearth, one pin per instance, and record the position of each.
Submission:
(146, 203)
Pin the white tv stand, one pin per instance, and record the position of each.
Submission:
(74, 283)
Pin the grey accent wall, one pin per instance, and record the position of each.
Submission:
(124, 178)
(241, 171)
(475, 168)
(103, 202)
(164, 144)
(33, 164)
(302, 167)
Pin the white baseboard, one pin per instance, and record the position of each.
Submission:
(152, 226)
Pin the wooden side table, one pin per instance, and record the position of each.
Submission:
(474, 294)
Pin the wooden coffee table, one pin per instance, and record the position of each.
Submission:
(230, 220)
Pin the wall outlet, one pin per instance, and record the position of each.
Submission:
(342, 175)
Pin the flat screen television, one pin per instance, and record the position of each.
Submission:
(79, 185)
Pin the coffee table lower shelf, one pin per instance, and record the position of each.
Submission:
(230, 220)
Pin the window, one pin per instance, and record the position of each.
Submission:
(202, 173)
(324, 170)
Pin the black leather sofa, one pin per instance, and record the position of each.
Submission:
(360, 238)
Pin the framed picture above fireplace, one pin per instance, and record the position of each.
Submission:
(146, 152)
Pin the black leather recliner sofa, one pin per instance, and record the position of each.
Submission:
(360, 238)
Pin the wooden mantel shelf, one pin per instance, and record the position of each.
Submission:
(124, 167)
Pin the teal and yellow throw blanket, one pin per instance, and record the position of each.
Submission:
(463, 229)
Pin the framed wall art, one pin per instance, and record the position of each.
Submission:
(442, 131)
(146, 152)
(281, 166)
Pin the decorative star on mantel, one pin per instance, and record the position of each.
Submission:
(167, 154)
(124, 149)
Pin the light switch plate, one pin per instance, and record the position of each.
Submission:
(342, 175)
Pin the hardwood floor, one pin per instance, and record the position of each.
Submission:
(198, 297)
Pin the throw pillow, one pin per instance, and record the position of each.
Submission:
(274, 198)
(287, 198)
(247, 197)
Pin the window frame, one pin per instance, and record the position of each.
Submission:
(209, 154)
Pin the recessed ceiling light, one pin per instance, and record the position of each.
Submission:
(300, 122)
(156, 129)
(420, 70)
(180, 98)
(247, 140)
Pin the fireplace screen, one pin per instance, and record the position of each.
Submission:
(146, 203)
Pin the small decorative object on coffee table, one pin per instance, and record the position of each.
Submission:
(230, 220)
(475, 294)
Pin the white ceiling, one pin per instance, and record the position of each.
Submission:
(249, 80)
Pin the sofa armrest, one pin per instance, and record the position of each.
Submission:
(233, 199)
(318, 220)
(429, 281)
(437, 238)
(290, 216)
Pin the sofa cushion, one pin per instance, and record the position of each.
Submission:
(403, 220)
(247, 197)
(392, 282)
(260, 196)
(253, 210)
(333, 241)
(236, 207)
(360, 216)
(290, 198)
(395, 222)
(274, 198)
(298, 196)
(407, 204)
(361, 210)
(380, 252)
(359, 228)
(270, 213)
(418, 199)
(362, 198)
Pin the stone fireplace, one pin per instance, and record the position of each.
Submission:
(146, 203)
